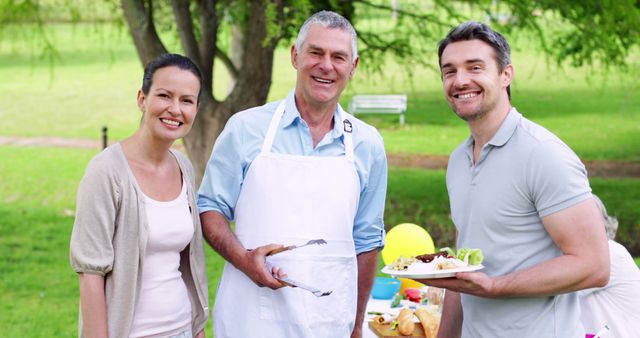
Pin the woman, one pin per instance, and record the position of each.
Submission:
(616, 304)
(136, 241)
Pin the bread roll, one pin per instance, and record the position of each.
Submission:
(405, 322)
(430, 322)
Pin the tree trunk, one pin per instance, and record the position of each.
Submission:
(251, 89)
(253, 71)
(143, 31)
(209, 123)
(237, 41)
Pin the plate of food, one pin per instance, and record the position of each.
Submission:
(443, 264)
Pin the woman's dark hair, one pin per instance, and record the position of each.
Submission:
(473, 30)
(168, 60)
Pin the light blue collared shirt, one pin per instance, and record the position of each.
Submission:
(240, 143)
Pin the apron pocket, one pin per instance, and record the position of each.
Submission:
(300, 307)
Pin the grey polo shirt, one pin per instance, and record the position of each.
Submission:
(523, 174)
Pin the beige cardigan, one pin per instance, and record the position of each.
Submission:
(109, 238)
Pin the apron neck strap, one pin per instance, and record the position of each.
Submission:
(275, 122)
(273, 127)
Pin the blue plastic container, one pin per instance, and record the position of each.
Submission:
(385, 288)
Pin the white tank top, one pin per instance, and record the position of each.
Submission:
(164, 308)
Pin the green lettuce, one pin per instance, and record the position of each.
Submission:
(467, 255)
(475, 256)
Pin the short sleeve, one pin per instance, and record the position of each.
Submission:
(224, 172)
(91, 247)
(556, 178)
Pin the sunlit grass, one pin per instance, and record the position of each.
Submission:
(38, 288)
(95, 81)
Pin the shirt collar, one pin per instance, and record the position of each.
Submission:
(504, 133)
(507, 129)
(292, 115)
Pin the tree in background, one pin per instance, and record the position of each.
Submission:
(591, 32)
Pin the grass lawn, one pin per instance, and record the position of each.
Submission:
(98, 74)
(38, 292)
(38, 289)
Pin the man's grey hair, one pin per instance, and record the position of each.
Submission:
(610, 222)
(329, 19)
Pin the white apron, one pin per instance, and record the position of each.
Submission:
(290, 199)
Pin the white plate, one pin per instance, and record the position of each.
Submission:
(431, 274)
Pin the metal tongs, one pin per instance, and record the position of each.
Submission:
(290, 282)
(291, 247)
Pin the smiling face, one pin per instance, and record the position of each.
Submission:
(171, 104)
(324, 66)
(473, 84)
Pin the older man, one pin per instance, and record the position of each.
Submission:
(522, 196)
(289, 172)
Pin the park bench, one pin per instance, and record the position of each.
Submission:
(379, 104)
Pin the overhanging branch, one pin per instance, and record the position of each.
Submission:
(208, 40)
(182, 14)
(226, 60)
(143, 31)
(430, 17)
